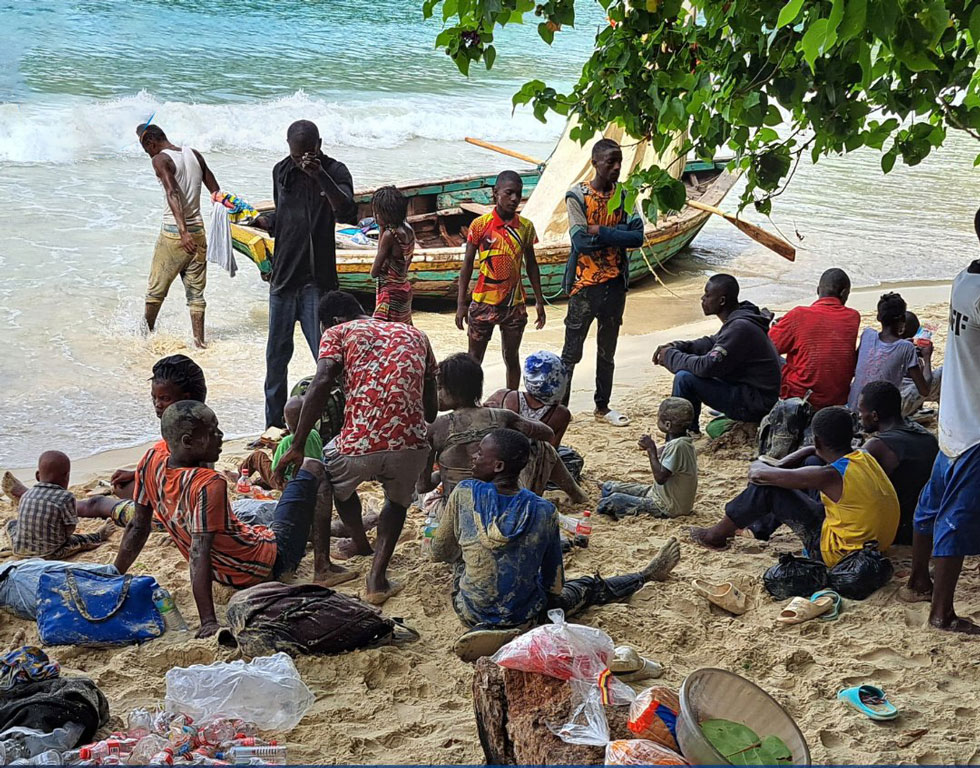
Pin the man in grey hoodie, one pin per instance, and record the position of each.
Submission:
(735, 371)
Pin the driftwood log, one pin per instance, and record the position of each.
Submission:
(513, 710)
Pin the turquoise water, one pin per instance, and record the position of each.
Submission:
(81, 208)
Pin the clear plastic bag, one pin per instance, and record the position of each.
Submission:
(641, 752)
(267, 691)
(580, 655)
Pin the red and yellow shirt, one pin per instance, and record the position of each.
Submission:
(500, 249)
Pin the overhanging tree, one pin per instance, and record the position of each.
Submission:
(771, 81)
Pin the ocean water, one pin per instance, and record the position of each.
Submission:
(81, 208)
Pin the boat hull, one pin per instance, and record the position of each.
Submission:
(434, 272)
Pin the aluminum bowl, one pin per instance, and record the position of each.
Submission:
(717, 693)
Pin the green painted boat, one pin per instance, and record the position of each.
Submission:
(441, 211)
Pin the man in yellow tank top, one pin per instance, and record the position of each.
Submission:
(834, 498)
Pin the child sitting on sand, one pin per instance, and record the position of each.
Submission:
(259, 461)
(46, 518)
(395, 249)
(675, 470)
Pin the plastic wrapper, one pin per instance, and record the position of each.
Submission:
(653, 716)
(861, 573)
(641, 752)
(267, 691)
(795, 577)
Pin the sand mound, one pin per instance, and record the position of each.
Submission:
(413, 704)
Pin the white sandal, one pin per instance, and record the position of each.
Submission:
(615, 418)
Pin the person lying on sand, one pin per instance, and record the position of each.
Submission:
(834, 498)
(505, 543)
(46, 516)
(545, 381)
(675, 471)
(191, 500)
(454, 436)
(259, 461)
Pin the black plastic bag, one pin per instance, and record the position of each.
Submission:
(573, 462)
(861, 573)
(795, 577)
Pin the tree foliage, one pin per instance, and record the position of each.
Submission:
(771, 81)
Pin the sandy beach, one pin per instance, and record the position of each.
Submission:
(412, 704)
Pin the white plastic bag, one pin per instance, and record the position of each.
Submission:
(267, 691)
(219, 240)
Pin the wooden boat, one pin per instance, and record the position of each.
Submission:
(441, 211)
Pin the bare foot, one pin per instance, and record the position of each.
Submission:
(910, 595)
(380, 595)
(334, 575)
(701, 537)
(956, 624)
(579, 497)
(665, 561)
(13, 487)
(108, 528)
(344, 549)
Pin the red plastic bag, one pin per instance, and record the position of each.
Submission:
(641, 752)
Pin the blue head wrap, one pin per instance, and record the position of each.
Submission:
(545, 377)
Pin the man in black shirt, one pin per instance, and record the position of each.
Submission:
(312, 192)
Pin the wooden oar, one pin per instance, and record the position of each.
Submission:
(503, 151)
(758, 234)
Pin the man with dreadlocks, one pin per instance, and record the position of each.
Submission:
(181, 247)
(395, 248)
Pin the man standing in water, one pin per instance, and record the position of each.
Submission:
(947, 520)
(181, 248)
(597, 273)
(312, 192)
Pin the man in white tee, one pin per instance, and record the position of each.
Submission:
(947, 519)
(181, 248)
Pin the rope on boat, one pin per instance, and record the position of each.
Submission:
(655, 275)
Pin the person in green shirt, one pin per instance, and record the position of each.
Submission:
(259, 461)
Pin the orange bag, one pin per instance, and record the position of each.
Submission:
(653, 714)
(641, 752)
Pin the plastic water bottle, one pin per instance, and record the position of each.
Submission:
(274, 755)
(50, 757)
(11, 750)
(428, 533)
(216, 732)
(147, 747)
(164, 602)
(584, 529)
(164, 757)
(244, 485)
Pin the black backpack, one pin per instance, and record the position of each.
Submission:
(782, 430)
(301, 619)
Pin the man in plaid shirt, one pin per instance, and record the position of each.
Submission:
(46, 516)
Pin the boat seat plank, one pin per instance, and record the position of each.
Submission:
(419, 217)
(478, 208)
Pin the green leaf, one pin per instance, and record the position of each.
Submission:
(813, 40)
(789, 12)
(449, 8)
(489, 56)
(854, 21)
(976, 161)
(546, 33)
(883, 18)
(834, 20)
(887, 161)
(975, 26)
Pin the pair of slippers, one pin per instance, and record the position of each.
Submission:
(869, 701)
(825, 605)
(726, 596)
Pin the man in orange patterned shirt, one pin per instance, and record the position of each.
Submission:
(597, 273)
(504, 242)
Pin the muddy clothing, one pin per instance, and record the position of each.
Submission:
(171, 261)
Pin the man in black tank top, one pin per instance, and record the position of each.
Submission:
(905, 450)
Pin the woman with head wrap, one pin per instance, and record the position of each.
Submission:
(545, 380)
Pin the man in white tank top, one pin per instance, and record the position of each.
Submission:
(181, 248)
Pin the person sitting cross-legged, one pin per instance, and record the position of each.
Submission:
(506, 547)
(838, 500)
(191, 500)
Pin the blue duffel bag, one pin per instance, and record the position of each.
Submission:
(76, 607)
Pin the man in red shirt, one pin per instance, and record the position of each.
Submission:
(389, 375)
(819, 343)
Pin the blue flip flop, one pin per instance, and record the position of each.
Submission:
(834, 611)
(874, 703)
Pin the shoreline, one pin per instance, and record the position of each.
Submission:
(665, 314)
